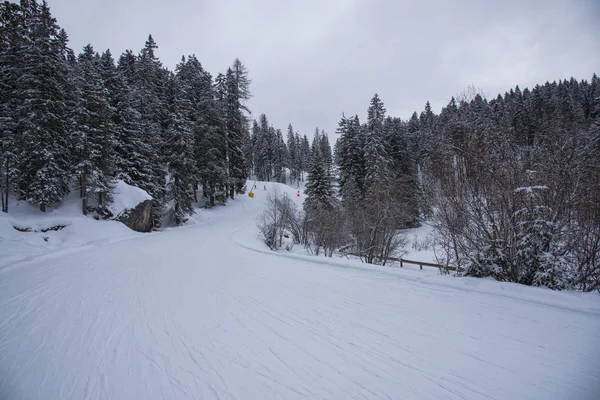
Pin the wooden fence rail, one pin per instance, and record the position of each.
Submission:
(421, 264)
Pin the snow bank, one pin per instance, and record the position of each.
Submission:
(36, 238)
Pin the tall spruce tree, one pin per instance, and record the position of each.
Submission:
(13, 37)
(318, 190)
(149, 81)
(326, 153)
(94, 135)
(42, 148)
(305, 154)
(377, 160)
(293, 155)
(134, 151)
(235, 124)
(201, 113)
(280, 160)
(351, 159)
(180, 149)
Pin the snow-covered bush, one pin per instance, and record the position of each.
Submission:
(496, 218)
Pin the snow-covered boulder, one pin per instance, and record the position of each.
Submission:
(132, 206)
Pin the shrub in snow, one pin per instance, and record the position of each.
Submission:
(525, 235)
(280, 218)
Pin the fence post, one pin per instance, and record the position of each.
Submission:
(420, 266)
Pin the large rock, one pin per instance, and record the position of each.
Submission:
(139, 218)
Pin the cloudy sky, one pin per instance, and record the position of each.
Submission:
(311, 60)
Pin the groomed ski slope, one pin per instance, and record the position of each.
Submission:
(205, 312)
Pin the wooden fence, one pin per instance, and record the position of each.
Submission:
(421, 264)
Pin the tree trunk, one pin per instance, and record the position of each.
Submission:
(84, 202)
(5, 188)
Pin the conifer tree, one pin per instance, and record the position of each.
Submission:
(149, 80)
(318, 187)
(280, 157)
(235, 123)
(264, 148)
(326, 153)
(180, 149)
(93, 135)
(377, 160)
(42, 148)
(212, 146)
(201, 114)
(293, 155)
(305, 154)
(12, 45)
(134, 152)
(351, 160)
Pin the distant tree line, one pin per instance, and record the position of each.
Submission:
(272, 158)
(511, 184)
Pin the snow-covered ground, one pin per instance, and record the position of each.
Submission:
(206, 312)
(77, 231)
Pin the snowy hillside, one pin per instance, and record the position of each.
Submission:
(205, 311)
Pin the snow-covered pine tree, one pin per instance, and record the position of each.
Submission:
(256, 139)
(318, 190)
(12, 42)
(240, 74)
(93, 135)
(235, 123)
(134, 151)
(378, 166)
(326, 153)
(149, 83)
(247, 148)
(305, 154)
(200, 94)
(292, 155)
(323, 221)
(271, 143)
(351, 160)
(220, 105)
(264, 139)
(181, 164)
(127, 67)
(299, 159)
(424, 135)
(211, 145)
(42, 148)
(405, 187)
(280, 157)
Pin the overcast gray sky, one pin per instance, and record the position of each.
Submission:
(311, 60)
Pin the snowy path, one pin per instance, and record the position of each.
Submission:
(189, 314)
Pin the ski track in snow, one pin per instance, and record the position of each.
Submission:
(192, 314)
